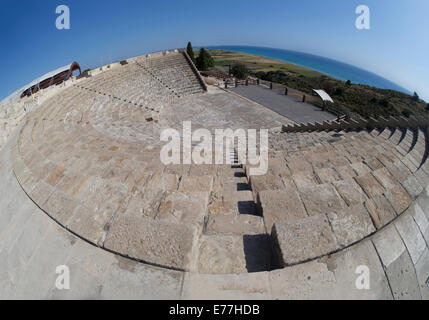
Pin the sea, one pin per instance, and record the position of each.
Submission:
(330, 67)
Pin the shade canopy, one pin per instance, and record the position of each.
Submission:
(53, 77)
(323, 95)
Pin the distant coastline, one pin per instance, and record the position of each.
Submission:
(330, 67)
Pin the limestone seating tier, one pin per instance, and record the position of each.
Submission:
(11, 115)
(173, 71)
(100, 177)
(347, 183)
(32, 245)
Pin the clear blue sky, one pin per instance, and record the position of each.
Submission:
(396, 47)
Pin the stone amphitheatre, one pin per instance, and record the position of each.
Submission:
(83, 186)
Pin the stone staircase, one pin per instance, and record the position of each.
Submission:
(174, 71)
(233, 238)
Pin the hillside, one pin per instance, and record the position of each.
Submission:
(364, 100)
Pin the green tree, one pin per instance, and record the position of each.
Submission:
(239, 70)
(190, 51)
(204, 60)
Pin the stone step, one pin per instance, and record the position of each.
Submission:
(229, 254)
(241, 224)
(279, 206)
(311, 237)
(231, 203)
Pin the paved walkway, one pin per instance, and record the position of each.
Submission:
(286, 106)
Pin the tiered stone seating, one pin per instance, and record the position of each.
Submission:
(327, 190)
(134, 82)
(174, 72)
(11, 116)
(89, 158)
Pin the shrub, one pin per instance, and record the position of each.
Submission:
(239, 70)
(262, 74)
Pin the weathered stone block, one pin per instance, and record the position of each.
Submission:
(303, 239)
(346, 172)
(221, 254)
(266, 182)
(238, 202)
(327, 175)
(389, 245)
(398, 198)
(40, 192)
(361, 168)
(411, 235)
(422, 268)
(153, 241)
(167, 182)
(321, 199)
(351, 224)
(280, 207)
(277, 166)
(412, 186)
(188, 208)
(288, 182)
(403, 279)
(385, 178)
(422, 177)
(381, 211)
(223, 184)
(144, 203)
(298, 163)
(192, 184)
(61, 206)
(339, 161)
(178, 169)
(373, 163)
(242, 224)
(90, 223)
(203, 170)
(350, 191)
(70, 181)
(368, 183)
(421, 220)
(55, 176)
(304, 179)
